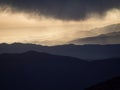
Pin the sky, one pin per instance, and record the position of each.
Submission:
(54, 22)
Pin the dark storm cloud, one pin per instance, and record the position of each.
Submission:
(64, 9)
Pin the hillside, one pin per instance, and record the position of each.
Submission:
(87, 52)
(109, 38)
(35, 71)
(113, 84)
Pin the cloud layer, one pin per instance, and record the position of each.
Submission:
(54, 22)
(64, 9)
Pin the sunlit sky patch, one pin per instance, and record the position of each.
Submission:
(29, 27)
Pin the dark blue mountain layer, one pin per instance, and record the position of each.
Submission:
(88, 52)
(42, 71)
(113, 84)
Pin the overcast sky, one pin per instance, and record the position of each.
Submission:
(52, 22)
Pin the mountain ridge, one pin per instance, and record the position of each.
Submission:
(86, 52)
(44, 71)
(109, 38)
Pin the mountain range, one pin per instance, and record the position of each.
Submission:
(109, 38)
(63, 67)
(41, 71)
(86, 52)
(107, 29)
(105, 35)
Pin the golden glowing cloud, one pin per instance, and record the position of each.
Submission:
(31, 28)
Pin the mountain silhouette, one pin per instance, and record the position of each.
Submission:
(109, 34)
(109, 38)
(113, 84)
(107, 29)
(87, 52)
(98, 31)
(41, 71)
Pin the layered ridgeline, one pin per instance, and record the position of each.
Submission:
(109, 38)
(105, 35)
(87, 52)
(41, 71)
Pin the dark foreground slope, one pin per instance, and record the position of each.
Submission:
(113, 84)
(41, 71)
